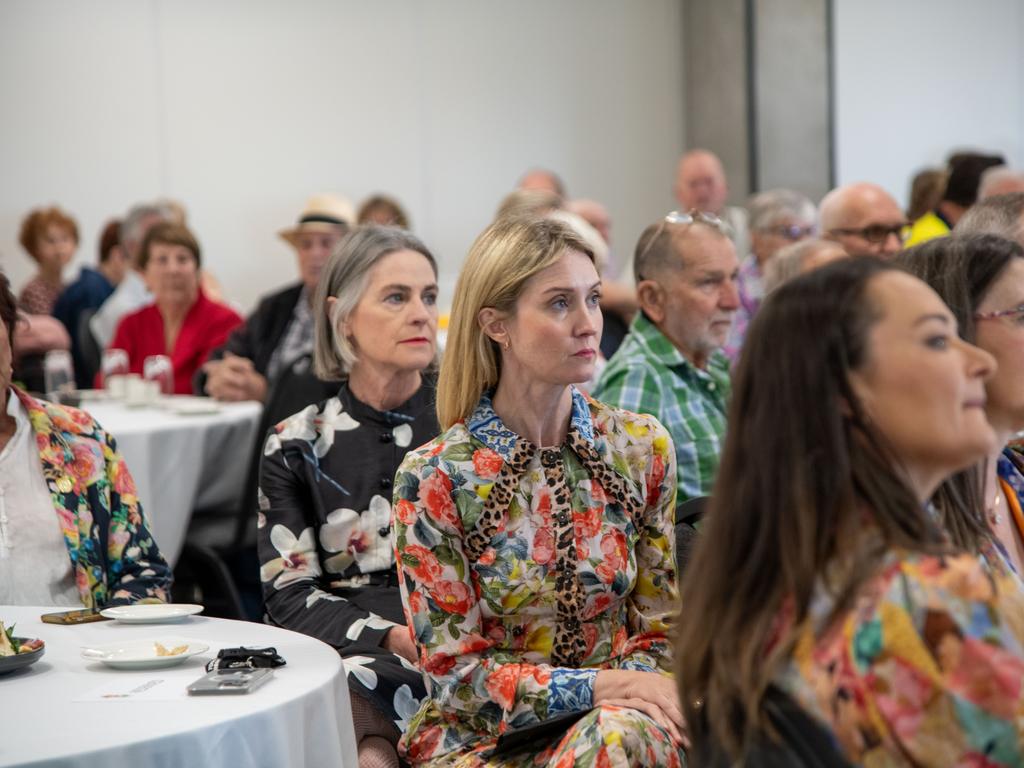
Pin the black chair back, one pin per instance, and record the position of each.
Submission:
(89, 354)
(295, 388)
(803, 742)
(688, 514)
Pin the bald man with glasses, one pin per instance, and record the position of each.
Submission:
(864, 219)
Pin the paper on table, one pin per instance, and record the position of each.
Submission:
(137, 689)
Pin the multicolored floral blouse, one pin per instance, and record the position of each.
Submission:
(114, 557)
(926, 669)
(526, 570)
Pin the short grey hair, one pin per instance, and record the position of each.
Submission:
(528, 202)
(994, 176)
(344, 279)
(1000, 215)
(767, 209)
(788, 262)
(131, 226)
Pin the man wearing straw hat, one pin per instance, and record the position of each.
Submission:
(280, 331)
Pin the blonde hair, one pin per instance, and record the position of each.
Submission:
(501, 261)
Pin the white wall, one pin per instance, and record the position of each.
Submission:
(915, 79)
(243, 108)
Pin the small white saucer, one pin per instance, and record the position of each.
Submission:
(143, 654)
(190, 405)
(151, 613)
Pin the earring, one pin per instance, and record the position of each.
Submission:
(506, 345)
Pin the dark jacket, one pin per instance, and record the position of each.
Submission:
(258, 337)
(324, 535)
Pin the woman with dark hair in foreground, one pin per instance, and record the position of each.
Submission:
(824, 577)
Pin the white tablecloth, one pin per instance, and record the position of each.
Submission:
(301, 717)
(182, 462)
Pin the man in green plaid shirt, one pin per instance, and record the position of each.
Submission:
(670, 364)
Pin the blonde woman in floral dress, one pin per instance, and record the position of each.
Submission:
(325, 479)
(534, 535)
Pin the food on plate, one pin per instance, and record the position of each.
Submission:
(162, 650)
(11, 645)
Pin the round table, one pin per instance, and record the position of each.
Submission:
(182, 462)
(53, 714)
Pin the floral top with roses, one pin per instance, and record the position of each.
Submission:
(113, 555)
(925, 668)
(326, 560)
(502, 546)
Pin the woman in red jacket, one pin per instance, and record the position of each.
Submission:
(182, 322)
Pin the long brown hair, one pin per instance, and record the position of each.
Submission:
(962, 269)
(800, 466)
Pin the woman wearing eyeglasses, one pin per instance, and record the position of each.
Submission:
(777, 218)
(981, 278)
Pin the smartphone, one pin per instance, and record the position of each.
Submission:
(230, 681)
(516, 739)
(80, 616)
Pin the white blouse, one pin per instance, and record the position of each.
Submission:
(35, 567)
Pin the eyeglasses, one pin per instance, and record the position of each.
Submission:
(877, 233)
(1015, 315)
(696, 217)
(683, 219)
(790, 231)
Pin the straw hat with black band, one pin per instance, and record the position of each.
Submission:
(323, 213)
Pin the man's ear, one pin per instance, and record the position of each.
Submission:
(652, 299)
(493, 324)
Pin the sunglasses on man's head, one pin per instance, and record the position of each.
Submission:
(684, 219)
(696, 217)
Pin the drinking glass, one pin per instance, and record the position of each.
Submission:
(58, 374)
(115, 363)
(159, 368)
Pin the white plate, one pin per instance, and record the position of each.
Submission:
(151, 613)
(189, 405)
(142, 654)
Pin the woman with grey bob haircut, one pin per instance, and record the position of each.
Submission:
(327, 564)
(344, 280)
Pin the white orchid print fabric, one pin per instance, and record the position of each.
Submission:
(324, 534)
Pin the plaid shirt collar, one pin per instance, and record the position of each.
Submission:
(486, 426)
(657, 346)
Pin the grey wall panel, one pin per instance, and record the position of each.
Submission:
(792, 95)
(716, 86)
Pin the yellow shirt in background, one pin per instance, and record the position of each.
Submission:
(926, 228)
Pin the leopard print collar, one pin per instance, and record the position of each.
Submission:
(487, 427)
(568, 646)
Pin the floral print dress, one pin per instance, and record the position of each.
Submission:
(326, 560)
(926, 669)
(525, 572)
(113, 555)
